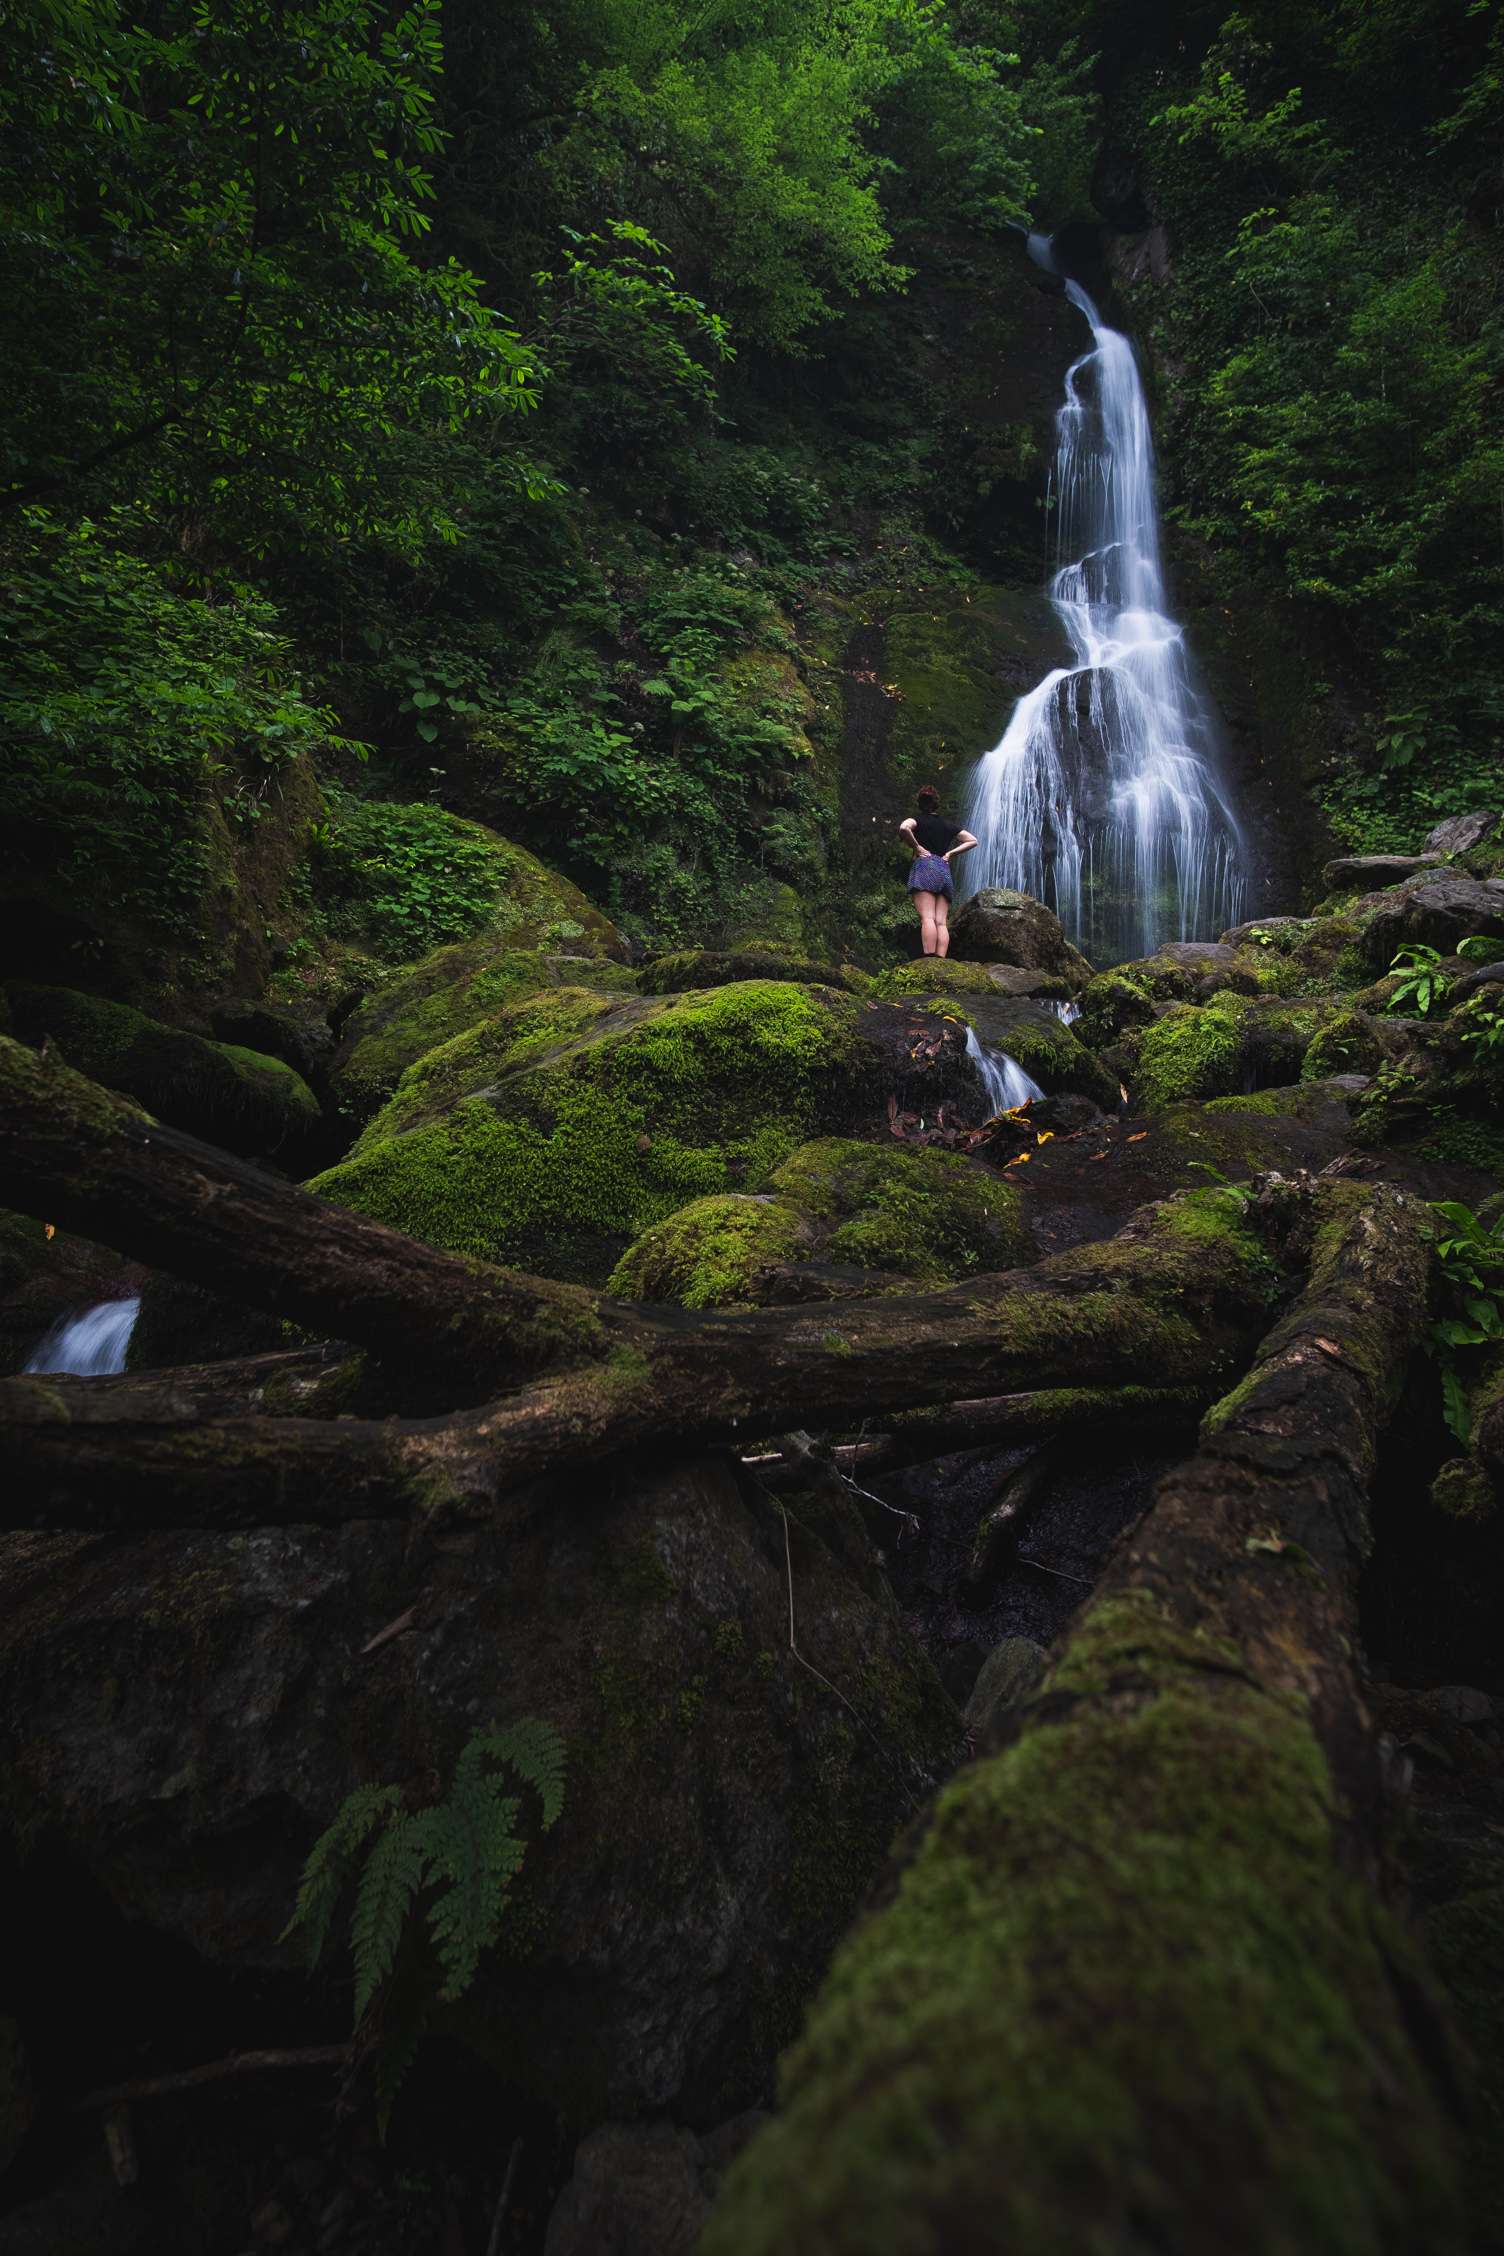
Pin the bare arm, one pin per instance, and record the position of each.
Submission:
(962, 846)
(906, 830)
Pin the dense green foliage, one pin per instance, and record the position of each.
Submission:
(1336, 318)
(473, 413)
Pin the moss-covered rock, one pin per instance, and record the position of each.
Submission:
(714, 1253)
(688, 968)
(1035, 1038)
(943, 975)
(908, 1208)
(450, 990)
(1192, 1051)
(557, 1143)
(1111, 1004)
(229, 1095)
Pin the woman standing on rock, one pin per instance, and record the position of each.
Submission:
(935, 842)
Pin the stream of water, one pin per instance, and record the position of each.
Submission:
(1102, 797)
(91, 1344)
(1003, 1079)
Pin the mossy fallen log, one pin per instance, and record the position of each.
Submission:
(1136, 1986)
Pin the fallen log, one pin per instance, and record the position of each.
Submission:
(1135, 1986)
(994, 1420)
(77, 1154)
(1003, 1522)
(1182, 1290)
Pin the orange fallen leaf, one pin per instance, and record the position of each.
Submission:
(1138, 1139)
(49, 1229)
(1045, 1136)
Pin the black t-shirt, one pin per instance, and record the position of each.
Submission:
(935, 833)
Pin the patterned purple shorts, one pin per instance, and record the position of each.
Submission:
(931, 874)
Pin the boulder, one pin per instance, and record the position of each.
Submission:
(999, 926)
(554, 1133)
(243, 1099)
(445, 994)
(723, 967)
(1364, 873)
(1011, 1671)
(854, 1212)
(944, 975)
(170, 1699)
(644, 2189)
(1229, 1045)
(1437, 915)
(1459, 834)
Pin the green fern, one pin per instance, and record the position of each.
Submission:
(463, 1853)
(393, 1875)
(328, 1866)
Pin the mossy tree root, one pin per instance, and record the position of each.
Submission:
(1136, 1985)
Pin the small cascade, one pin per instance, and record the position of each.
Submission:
(90, 1345)
(1067, 1013)
(1004, 1081)
(1102, 797)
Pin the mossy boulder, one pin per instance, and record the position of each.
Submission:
(228, 1095)
(911, 1209)
(556, 1143)
(997, 925)
(1229, 1044)
(448, 991)
(1038, 1040)
(170, 1699)
(714, 1253)
(688, 968)
(1111, 1004)
(943, 975)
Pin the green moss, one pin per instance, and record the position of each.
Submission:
(935, 975)
(1110, 1004)
(1121, 1953)
(711, 1253)
(482, 1053)
(610, 1130)
(1191, 1052)
(1347, 1043)
(922, 1213)
(238, 1096)
(448, 992)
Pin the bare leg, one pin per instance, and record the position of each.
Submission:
(942, 925)
(925, 904)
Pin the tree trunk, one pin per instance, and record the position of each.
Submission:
(1134, 1986)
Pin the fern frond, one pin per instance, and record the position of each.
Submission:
(329, 1861)
(532, 1748)
(392, 1877)
(473, 1844)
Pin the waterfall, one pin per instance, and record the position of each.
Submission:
(1004, 1081)
(91, 1344)
(1102, 796)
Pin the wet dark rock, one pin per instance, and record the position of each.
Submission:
(192, 1710)
(643, 2189)
(1009, 1674)
(1355, 873)
(1459, 834)
(1065, 1114)
(1437, 915)
(1000, 926)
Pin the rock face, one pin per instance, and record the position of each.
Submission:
(999, 926)
(192, 1710)
(553, 1133)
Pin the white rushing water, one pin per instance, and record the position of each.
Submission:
(1102, 797)
(1004, 1081)
(91, 1344)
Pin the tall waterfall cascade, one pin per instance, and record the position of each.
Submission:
(1102, 797)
